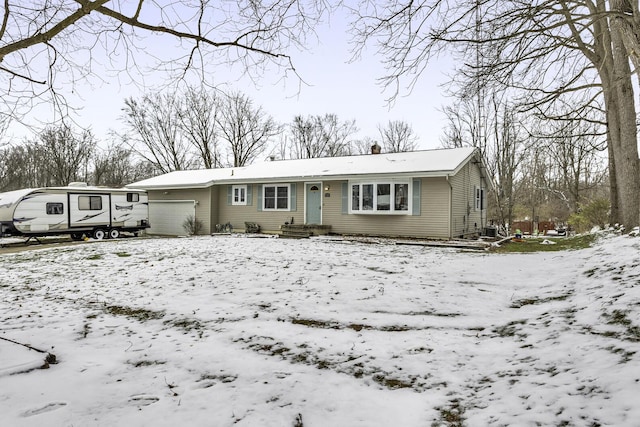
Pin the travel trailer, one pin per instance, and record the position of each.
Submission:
(77, 210)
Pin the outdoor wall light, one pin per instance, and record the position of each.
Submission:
(327, 187)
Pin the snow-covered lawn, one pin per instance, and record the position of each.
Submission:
(222, 331)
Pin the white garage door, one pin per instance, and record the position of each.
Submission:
(167, 216)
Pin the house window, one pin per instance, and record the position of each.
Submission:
(380, 197)
(89, 203)
(478, 198)
(401, 197)
(239, 195)
(276, 197)
(133, 197)
(355, 197)
(55, 208)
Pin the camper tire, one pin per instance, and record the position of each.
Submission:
(99, 234)
(114, 233)
(77, 236)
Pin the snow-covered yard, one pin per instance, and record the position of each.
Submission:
(222, 331)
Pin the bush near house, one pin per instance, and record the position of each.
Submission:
(192, 225)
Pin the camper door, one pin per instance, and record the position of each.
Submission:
(89, 210)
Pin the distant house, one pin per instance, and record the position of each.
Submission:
(436, 194)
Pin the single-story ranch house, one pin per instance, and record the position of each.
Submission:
(435, 194)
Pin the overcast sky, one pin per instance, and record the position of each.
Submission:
(334, 86)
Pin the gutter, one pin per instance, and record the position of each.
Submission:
(296, 178)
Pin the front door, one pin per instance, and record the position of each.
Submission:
(314, 203)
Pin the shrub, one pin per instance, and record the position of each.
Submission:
(594, 213)
(192, 225)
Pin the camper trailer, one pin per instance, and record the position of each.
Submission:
(77, 210)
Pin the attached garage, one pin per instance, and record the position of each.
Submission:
(167, 216)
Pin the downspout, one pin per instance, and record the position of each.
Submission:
(449, 205)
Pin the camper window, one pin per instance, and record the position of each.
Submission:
(89, 203)
(133, 197)
(55, 208)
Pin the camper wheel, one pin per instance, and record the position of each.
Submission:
(77, 236)
(114, 233)
(99, 234)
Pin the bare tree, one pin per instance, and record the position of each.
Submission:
(198, 114)
(364, 145)
(246, 128)
(546, 49)
(155, 132)
(45, 46)
(67, 154)
(501, 144)
(25, 167)
(321, 136)
(397, 136)
(577, 164)
(116, 167)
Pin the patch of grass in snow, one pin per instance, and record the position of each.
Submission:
(535, 300)
(353, 365)
(451, 416)
(392, 383)
(211, 379)
(625, 356)
(139, 314)
(381, 270)
(94, 257)
(620, 317)
(123, 254)
(535, 244)
(420, 313)
(511, 329)
(312, 323)
(141, 363)
(187, 325)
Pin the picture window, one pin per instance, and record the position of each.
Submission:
(380, 197)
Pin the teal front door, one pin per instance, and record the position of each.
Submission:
(314, 203)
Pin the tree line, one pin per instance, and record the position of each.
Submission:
(192, 129)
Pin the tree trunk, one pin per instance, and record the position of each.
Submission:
(622, 132)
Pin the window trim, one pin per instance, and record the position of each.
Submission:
(392, 197)
(241, 189)
(276, 186)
